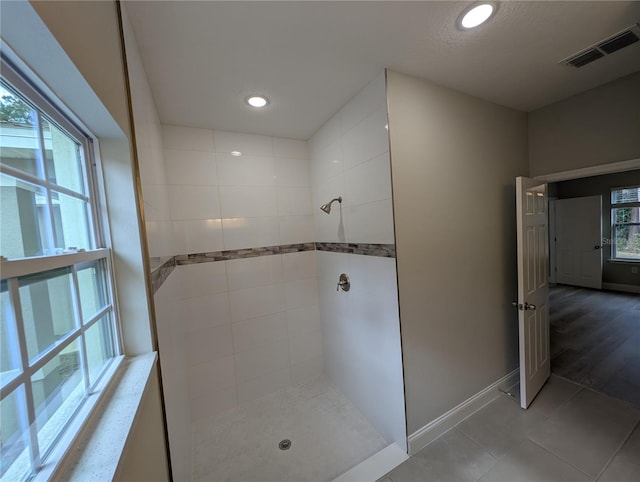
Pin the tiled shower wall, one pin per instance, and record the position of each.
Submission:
(360, 328)
(251, 325)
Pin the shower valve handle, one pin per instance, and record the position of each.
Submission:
(344, 283)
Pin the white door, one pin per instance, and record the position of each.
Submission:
(533, 287)
(579, 241)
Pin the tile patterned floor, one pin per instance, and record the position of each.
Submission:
(570, 433)
(328, 433)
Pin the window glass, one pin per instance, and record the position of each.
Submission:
(19, 139)
(47, 308)
(93, 288)
(14, 461)
(99, 339)
(23, 219)
(57, 393)
(64, 158)
(71, 222)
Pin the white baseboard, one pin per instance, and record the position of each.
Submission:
(621, 287)
(375, 466)
(427, 434)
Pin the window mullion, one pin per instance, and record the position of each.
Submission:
(51, 225)
(34, 447)
(77, 310)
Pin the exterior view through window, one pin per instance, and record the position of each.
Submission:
(58, 329)
(625, 223)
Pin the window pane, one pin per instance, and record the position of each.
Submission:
(99, 340)
(57, 393)
(23, 219)
(63, 155)
(71, 222)
(47, 308)
(19, 140)
(625, 195)
(627, 241)
(9, 351)
(14, 454)
(93, 288)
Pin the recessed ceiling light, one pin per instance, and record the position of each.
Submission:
(236, 153)
(257, 101)
(476, 15)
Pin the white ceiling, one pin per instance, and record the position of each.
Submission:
(309, 58)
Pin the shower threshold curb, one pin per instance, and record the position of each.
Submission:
(376, 466)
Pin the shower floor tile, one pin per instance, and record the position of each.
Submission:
(328, 435)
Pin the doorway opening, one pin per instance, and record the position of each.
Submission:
(594, 298)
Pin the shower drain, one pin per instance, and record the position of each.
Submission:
(285, 444)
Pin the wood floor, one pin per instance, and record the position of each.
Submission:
(595, 339)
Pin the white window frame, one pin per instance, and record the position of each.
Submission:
(42, 465)
(614, 256)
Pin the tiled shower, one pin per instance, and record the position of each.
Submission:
(245, 266)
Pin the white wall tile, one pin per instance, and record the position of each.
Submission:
(296, 229)
(250, 335)
(156, 202)
(255, 302)
(330, 265)
(214, 403)
(187, 138)
(370, 223)
(246, 170)
(190, 167)
(246, 202)
(302, 320)
(292, 172)
(327, 134)
(254, 272)
(264, 385)
(194, 202)
(369, 181)
(160, 238)
(197, 236)
(301, 293)
(294, 201)
(366, 140)
(204, 312)
(202, 279)
(247, 144)
(371, 98)
(299, 266)
(291, 148)
(307, 370)
(262, 361)
(328, 162)
(250, 232)
(209, 344)
(305, 346)
(207, 378)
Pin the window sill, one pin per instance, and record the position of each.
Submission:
(623, 261)
(98, 448)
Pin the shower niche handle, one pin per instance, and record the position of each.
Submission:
(344, 283)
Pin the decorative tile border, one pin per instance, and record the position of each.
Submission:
(196, 258)
(160, 274)
(366, 249)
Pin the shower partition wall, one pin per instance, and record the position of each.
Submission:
(361, 327)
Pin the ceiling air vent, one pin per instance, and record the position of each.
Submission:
(618, 42)
(607, 46)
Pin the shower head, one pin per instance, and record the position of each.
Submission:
(327, 207)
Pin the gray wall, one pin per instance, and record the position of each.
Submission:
(619, 273)
(454, 162)
(600, 126)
